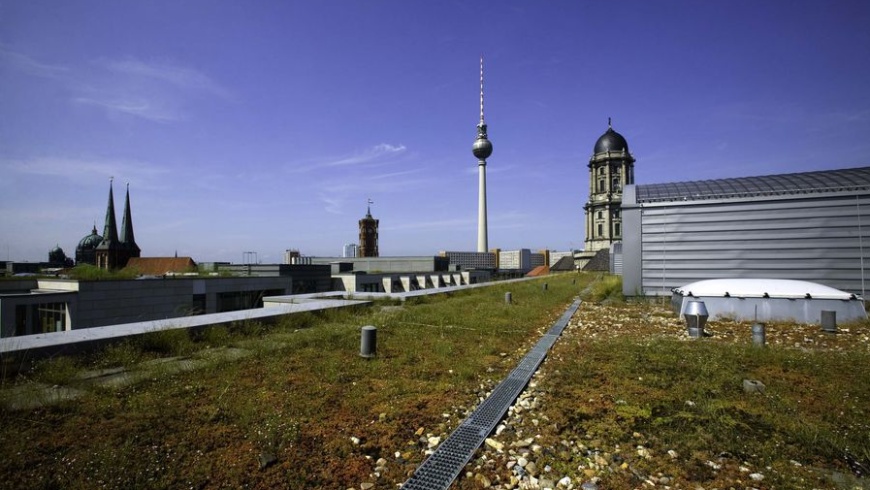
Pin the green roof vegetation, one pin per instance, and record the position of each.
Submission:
(293, 405)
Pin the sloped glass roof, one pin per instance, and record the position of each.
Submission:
(766, 185)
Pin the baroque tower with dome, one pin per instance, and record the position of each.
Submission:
(611, 168)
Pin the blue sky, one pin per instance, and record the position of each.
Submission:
(266, 125)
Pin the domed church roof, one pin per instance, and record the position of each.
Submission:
(91, 241)
(611, 141)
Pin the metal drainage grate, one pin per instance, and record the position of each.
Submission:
(444, 465)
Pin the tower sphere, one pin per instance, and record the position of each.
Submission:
(482, 148)
(611, 141)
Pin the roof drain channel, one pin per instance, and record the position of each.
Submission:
(444, 465)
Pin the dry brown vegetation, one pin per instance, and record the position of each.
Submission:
(299, 408)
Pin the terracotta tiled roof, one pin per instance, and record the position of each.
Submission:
(157, 266)
(541, 270)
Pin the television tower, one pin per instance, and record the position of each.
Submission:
(482, 149)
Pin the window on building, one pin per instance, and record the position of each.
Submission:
(617, 230)
(51, 317)
(600, 229)
(600, 215)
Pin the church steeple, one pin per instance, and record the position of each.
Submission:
(113, 253)
(127, 238)
(110, 229)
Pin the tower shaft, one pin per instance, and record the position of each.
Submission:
(482, 240)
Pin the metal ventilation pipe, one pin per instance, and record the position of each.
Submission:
(758, 337)
(368, 342)
(696, 317)
(829, 321)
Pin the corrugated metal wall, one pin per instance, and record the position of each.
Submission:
(616, 258)
(813, 237)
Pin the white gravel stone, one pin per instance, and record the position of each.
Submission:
(495, 444)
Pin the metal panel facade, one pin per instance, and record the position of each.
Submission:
(821, 238)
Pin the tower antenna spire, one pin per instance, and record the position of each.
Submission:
(481, 89)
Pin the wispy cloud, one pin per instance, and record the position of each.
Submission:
(381, 152)
(87, 170)
(153, 91)
(377, 155)
(28, 65)
(333, 205)
(139, 107)
(334, 193)
(179, 76)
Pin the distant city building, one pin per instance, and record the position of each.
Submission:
(519, 260)
(471, 260)
(515, 259)
(57, 258)
(349, 250)
(291, 256)
(368, 235)
(41, 305)
(425, 263)
(114, 251)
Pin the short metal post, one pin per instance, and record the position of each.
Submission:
(758, 334)
(829, 321)
(507, 298)
(368, 342)
(696, 316)
(545, 286)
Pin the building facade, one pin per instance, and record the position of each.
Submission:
(349, 250)
(471, 260)
(52, 305)
(810, 226)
